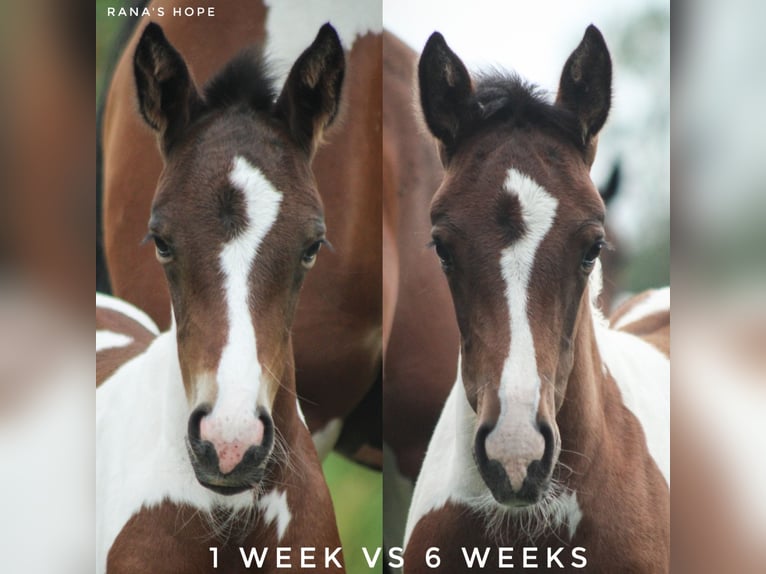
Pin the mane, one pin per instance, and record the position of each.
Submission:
(506, 97)
(245, 81)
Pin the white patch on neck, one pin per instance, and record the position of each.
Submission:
(141, 456)
(125, 308)
(292, 25)
(519, 391)
(657, 301)
(239, 376)
(275, 510)
(449, 471)
(642, 374)
(325, 438)
(111, 340)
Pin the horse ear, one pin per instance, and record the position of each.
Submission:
(609, 190)
(167, 96)
(445, 90)
(310, 98)
(586, 85)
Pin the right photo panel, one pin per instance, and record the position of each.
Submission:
(526, 299)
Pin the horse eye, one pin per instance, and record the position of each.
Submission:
(590, 257)
(309, 256)
(445, 257)
(162, 250)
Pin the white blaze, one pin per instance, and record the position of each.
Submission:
(515, 441)
(239, 376)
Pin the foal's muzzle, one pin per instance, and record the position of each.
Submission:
(249, 469)
(532, 487)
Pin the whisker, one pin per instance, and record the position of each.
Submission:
(278, 381)
(586, 457)
(545, 518)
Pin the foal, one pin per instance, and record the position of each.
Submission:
(337, 327)
(200, 440)
(554, 439)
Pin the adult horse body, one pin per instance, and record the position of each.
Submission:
(201, 441)
(552, 448)
(337, 329)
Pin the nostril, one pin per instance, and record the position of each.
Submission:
(492, 471)
(195, 421)
(480, 444)
(546, 462)
(268, 427)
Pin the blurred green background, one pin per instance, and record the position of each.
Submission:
(357, 492)
(358, 497)
(106, 33)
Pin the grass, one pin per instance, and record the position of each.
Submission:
(357, 495)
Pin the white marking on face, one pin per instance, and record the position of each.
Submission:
(125, 308)
(240, 377)
(325, 438)
(292, 25)
(657, 301)
(111, 340)
(516, 440)
(276, 510)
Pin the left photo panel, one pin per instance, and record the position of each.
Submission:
(239, 298)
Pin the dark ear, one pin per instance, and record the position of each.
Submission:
(612, 185)
(586, 84)
(310, 98)
(167, 96)
(445, 91)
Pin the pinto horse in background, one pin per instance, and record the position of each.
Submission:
(556, 432)
(337, 328)
(613, 260)
(200, 438)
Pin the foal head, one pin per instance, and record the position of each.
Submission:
(518, 227)
(237, 223)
